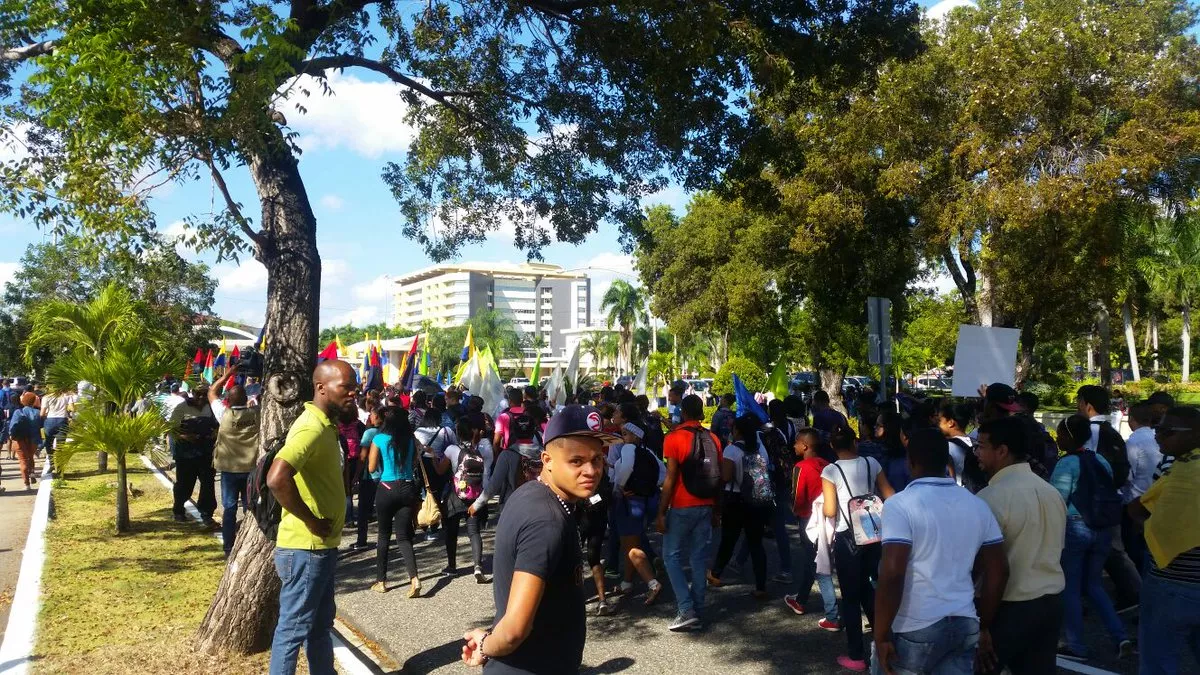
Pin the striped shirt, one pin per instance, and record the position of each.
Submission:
(1185, 568)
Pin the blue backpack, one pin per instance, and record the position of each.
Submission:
(1095, 496)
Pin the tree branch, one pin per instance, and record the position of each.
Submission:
(234, 209)
(321, 63)
(29, 51)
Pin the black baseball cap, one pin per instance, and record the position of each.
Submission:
(1003, 396)
(577, 420)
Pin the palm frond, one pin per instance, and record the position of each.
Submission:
(112, 316)
(118, 434)
(122, 375)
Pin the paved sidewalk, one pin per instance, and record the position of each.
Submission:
(424, 635)
(17, 505)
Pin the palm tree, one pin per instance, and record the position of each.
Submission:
(1173, 271)
(593, 345)
(626, 307)
(610, 347)
(492, 329)
(110, 347)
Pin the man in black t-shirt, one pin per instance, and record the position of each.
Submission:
(537, 565)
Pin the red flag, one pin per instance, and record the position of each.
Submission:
(199, 357)
(408, 373)
(330, 352)
(235, 354)
(187, 372)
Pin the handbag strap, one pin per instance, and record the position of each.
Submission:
(424, 476)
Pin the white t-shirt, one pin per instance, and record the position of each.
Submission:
(484, 449)
(863, 474)
(55, 405)
(735, 453)
(946, 526)
(959, 457)
(437, 438)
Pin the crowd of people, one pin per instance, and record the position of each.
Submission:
(966, 534)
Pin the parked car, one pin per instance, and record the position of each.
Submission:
(519, 382)
(703, 389)
(625, 381)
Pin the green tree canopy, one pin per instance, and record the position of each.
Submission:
(176, 296)
(750, 373)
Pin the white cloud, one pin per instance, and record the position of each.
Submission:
(248, 277)
(12, 142)
(603, 270)
(8, 271)
(366, 117)
(377, 290)
(332, 202)
(939, 11)
(359, 316)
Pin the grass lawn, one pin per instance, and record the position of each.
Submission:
(127, 604)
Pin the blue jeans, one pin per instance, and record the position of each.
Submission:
(691, 527)
(306, 610)
(233, 492)
(808, 573)
(944, 648)
(1082, 561)
(1170, 620)
(53, 427)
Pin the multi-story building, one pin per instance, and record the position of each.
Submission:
(541, 300)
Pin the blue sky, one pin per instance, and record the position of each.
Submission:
(347, 139)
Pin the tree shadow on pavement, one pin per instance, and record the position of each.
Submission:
(614, 665)
(433, 658)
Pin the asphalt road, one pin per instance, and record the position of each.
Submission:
(424, 635)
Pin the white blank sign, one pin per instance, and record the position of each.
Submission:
(984, 355)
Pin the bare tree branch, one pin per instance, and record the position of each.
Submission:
(321, 63)
(29, 51)
(234, 209)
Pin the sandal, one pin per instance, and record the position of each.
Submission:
(713, 581)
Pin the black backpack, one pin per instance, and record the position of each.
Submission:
(701, 470)
(973, 478)
(1111, 447)
(521, 428)
(643, 481)
(781, 453)
(267, 511)
(1095, 495)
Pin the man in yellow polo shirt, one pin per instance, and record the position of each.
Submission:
(306, 479)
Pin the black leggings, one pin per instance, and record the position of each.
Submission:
(395, 503)
(857, 568)
(475, 525)
(737, 518)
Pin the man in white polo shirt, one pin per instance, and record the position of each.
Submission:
(934, 534)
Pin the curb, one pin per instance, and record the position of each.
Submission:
(346, 656)
(16, 653)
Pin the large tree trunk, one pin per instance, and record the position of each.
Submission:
(1154, 339)
(1130, 341)
(1028, 340)
(1102, 327)
(1186, 336)
(1091, 356)
(243, 613)
(122, 496)
(831, 382)
(963, 273)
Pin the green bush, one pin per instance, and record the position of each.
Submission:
(752, 376)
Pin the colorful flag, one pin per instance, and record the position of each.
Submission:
(364, 371)
(777, 383)
(235, 354)
(330, 353)
(408, 375)
(746, 405)
(199, 360)
(221, 355)
(207, 374)
(187, 372)
(261, 343)
(468, 346)
(423, 358)
(536, 378)
(341, 348)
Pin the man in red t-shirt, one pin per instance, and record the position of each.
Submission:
(690, 520)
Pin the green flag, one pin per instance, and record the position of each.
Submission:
(777, 383)
(537, 371)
